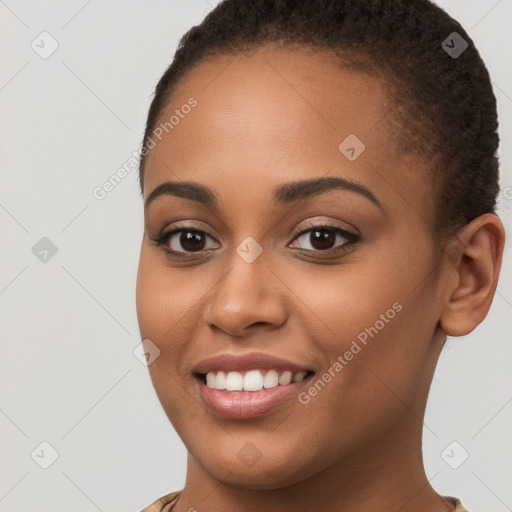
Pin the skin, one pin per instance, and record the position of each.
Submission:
(268, 118)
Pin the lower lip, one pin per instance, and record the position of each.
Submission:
(247, 404)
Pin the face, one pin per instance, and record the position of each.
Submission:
(342, 281)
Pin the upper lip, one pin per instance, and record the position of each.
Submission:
(233, 362)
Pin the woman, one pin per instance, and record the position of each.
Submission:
(319, 183)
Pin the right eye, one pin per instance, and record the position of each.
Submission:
(183, 240)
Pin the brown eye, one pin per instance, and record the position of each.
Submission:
(324, 239)
(187, 240)
(191, 240)
(184, 241)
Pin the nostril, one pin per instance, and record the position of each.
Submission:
(259, 323)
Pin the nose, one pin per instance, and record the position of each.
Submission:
(249, 296)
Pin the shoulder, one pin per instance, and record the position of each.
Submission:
(160, 503)
(459, 507)
(168, 499)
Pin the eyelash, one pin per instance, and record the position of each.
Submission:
(161, 239)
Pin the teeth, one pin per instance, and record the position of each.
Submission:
(234, 382)
(253, 380)
(299, 376)
(285, 378)
(210, 379)
(220, 380)
(271, 379)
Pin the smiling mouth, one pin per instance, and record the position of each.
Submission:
(251, 380)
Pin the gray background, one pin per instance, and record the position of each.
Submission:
(68, 326)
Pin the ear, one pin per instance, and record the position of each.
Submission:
(475, 257)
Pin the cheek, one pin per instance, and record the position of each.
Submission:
(374, 328)
(164, 307)
(166, 303)
(166, 299)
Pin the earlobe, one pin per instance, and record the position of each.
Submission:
(475, 259)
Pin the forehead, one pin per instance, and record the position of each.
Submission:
(276, 115)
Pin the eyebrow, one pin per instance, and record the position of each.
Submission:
(283, 194)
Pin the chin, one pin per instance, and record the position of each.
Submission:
(270, 472)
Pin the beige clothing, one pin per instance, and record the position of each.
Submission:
(166, 503)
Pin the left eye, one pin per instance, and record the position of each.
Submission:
(323, 238)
